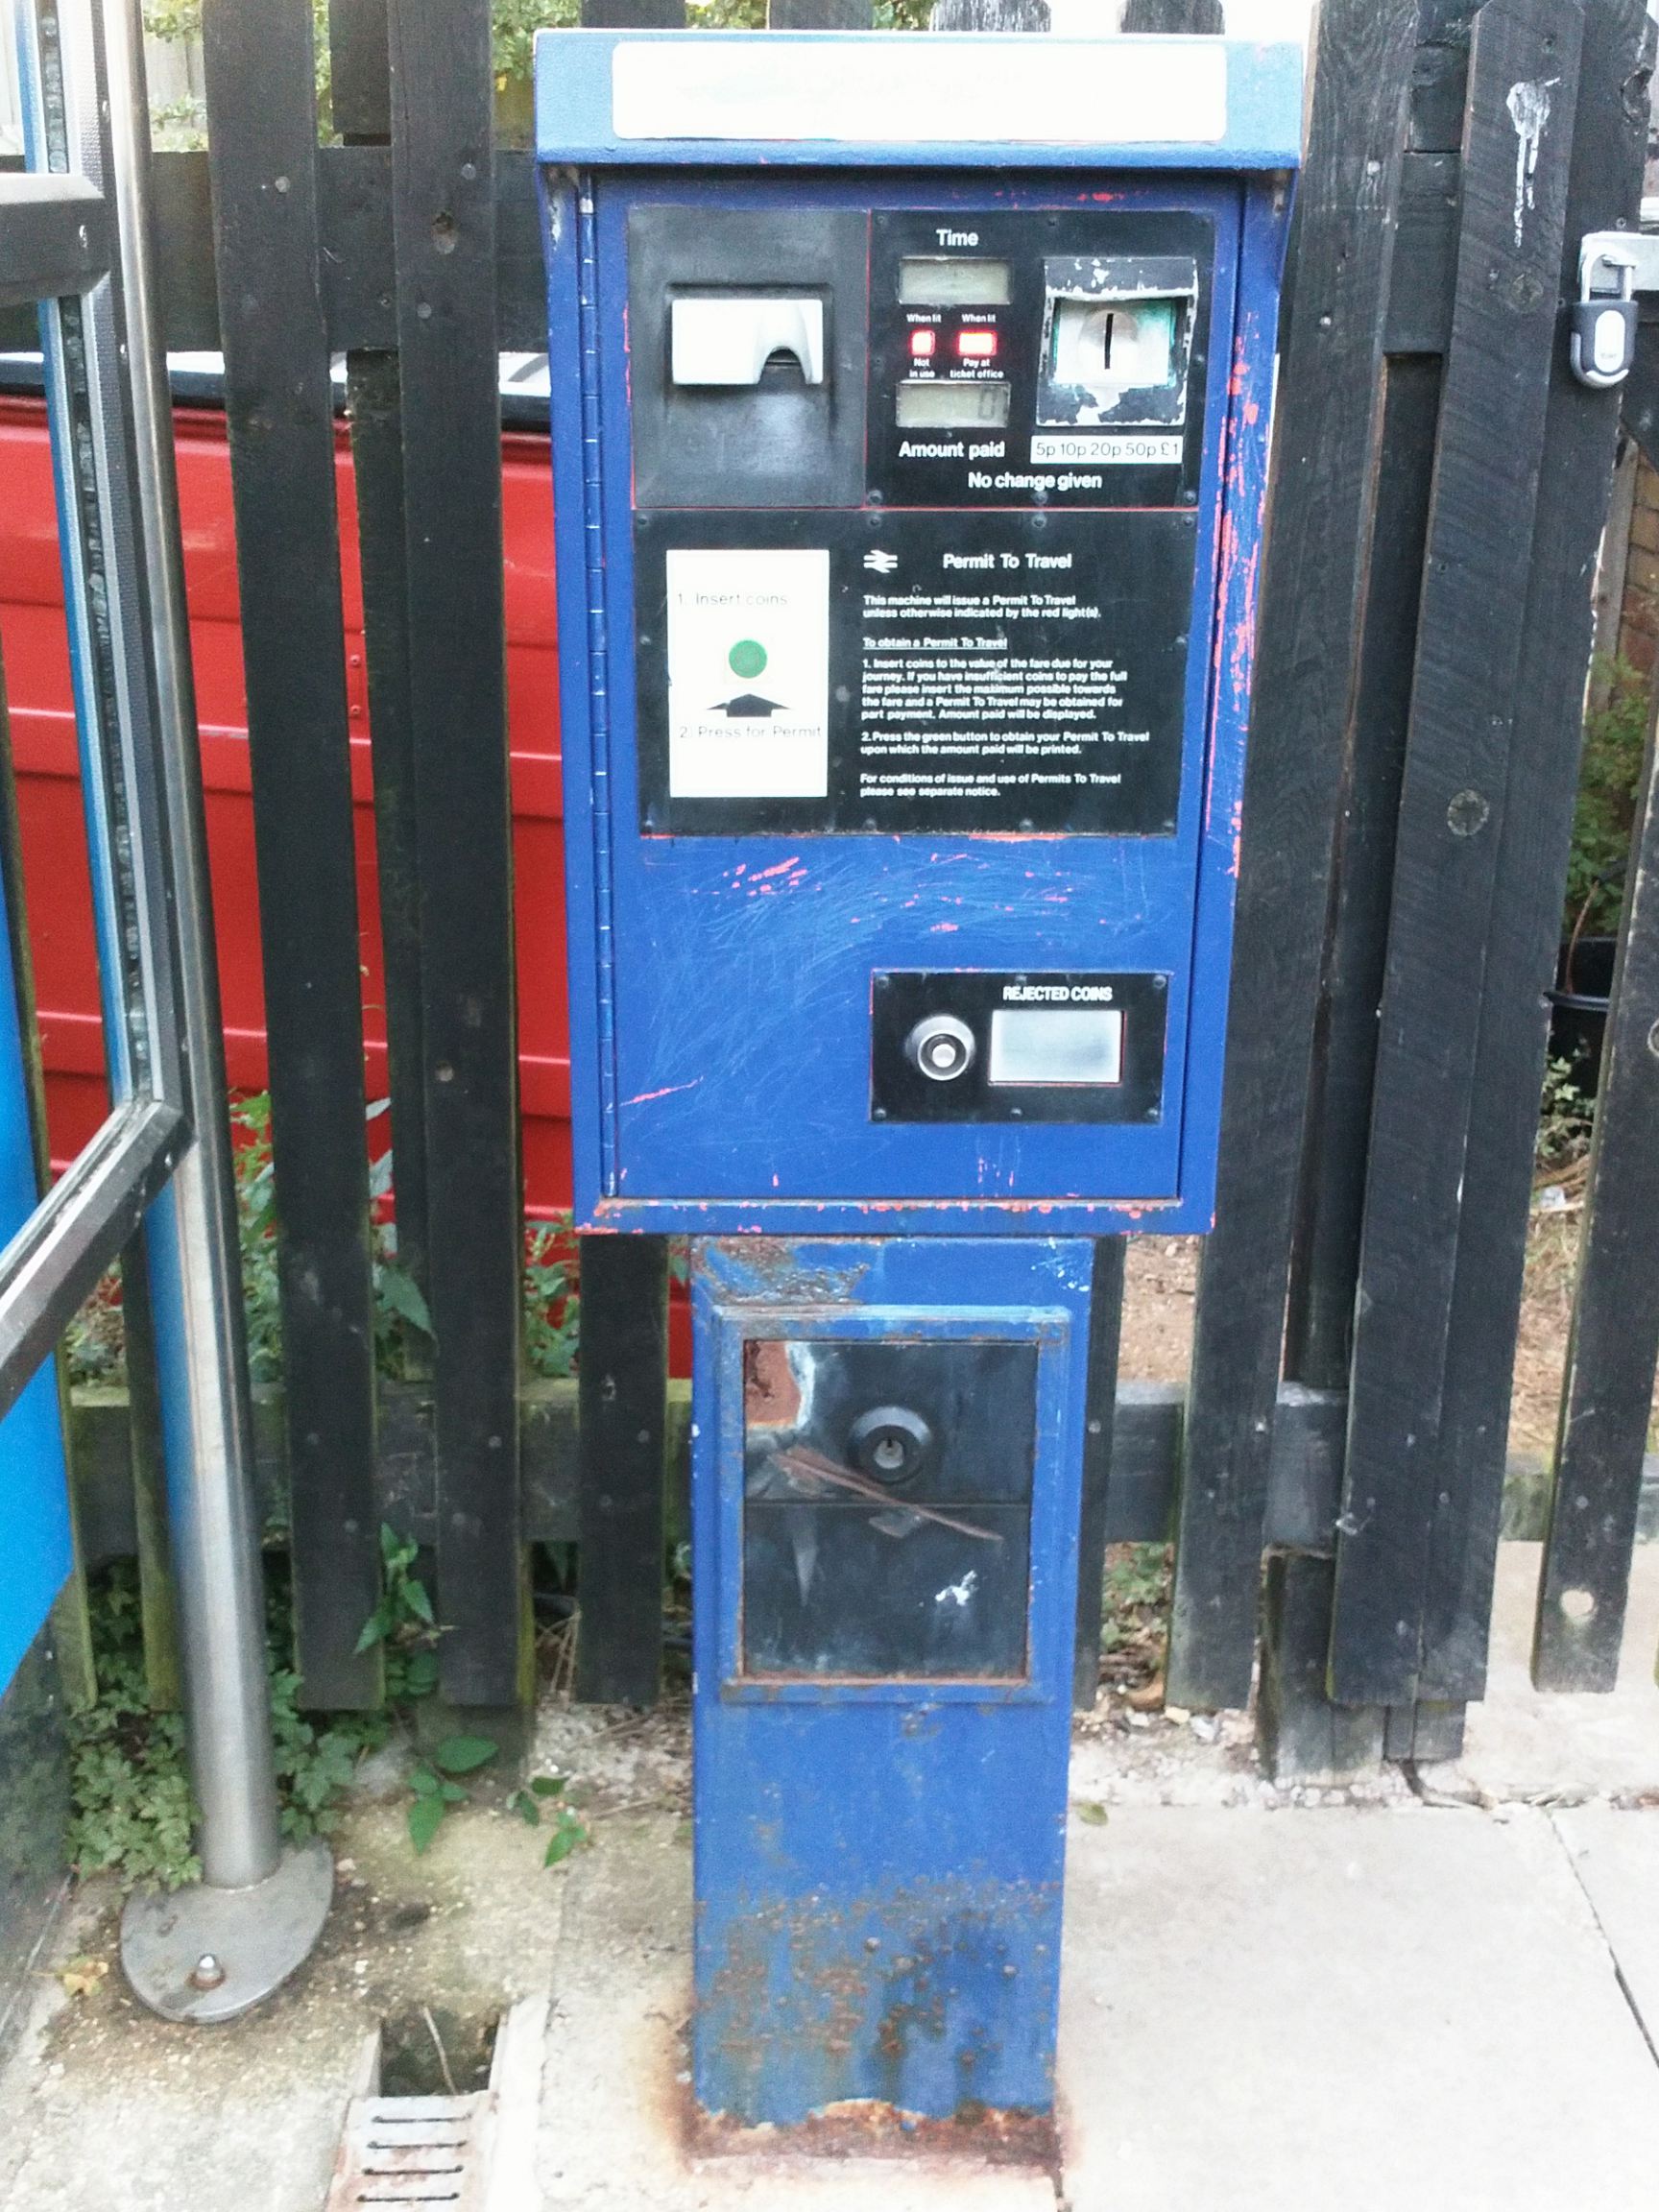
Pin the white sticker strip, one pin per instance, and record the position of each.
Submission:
(1135, 450)
(925, 92)
(748, 673)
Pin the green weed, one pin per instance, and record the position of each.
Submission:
(132, 1811)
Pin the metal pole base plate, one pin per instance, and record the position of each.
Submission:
(205, 1953)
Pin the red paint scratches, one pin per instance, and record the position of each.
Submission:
(644, 1097)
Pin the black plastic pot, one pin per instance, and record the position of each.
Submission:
(1578, 1006)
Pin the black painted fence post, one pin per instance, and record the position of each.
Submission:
(278, 404)
(444, 231)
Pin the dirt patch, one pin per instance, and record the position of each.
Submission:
(620, 1761)
(445, 1932)
(1161, 1282)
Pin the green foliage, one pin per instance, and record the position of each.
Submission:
(514, 25)
(173, 20)
(1136, 1575)
(1609, 782)
(552, 1300)
(569, 1832)
(1135, 1603)
(131, 1808)
(95, 1342)
(1564, 1120)
(257, 1230)
(402, 1624)
(435, 1791)
(403, 1323)
(132, 1812)
(182, 124)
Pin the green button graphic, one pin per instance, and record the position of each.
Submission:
(747, 658)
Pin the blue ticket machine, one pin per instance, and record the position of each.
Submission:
(909, 422)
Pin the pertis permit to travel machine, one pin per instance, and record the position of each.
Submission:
(909, 424)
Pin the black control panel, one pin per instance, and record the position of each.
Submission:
(963, 1044)
(915, 520)
(1029, 360)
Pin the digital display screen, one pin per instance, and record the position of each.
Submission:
(940, 405)
(1056, 1045)
(929, 281)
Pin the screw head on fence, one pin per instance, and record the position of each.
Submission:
(1467, 814)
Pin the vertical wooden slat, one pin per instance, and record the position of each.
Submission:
(1198, 15)
(1471, 631)
(1301, 1734)
(443, 228)
(818, 15)
(258, 67)
(1105, 1331)
(623, 1411)
(989, 15)
(622, 1371)
(374, 403)
(632, 14)
(361, 96)
(1579, 439)
(359, 71)
(1615, 1343)
(1324, 495)
(1325, 1264)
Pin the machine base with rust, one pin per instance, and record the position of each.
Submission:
(207, 1954)
(887, 1450)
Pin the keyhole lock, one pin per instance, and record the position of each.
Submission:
(940, 1048)
(889, 1443)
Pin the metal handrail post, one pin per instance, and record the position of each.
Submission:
(210, 1951)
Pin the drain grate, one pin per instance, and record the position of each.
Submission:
(403, 2150)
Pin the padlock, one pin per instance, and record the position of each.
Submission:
(1603, 327)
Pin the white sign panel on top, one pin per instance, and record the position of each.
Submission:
(927, 91)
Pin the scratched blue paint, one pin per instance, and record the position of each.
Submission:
(880, 1864)
(35, 1555)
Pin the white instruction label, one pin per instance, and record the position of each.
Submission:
(1135, 449)
(748, 674)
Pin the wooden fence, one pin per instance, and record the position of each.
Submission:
(1440, 486)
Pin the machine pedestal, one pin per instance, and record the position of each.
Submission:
(887, 1446)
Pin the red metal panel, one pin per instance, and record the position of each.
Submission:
(36, 658)
(60, 902)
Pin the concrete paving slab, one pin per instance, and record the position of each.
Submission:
(1615, 1853)
(614, 2095)
(1380, 2009)
(1527, 1743)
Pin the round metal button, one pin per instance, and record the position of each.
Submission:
(940, 1048)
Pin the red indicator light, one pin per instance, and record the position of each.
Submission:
(923, 344)
(976, 344)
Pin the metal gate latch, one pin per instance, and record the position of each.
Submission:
(1613, 265)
